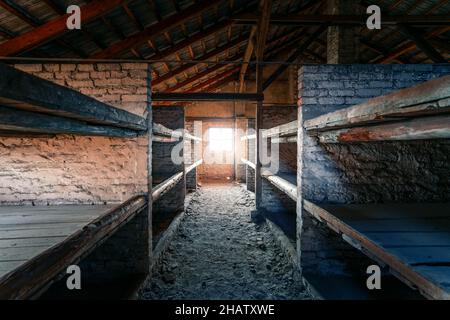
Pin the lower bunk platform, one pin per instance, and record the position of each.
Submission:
(38, 243)
(413, 240)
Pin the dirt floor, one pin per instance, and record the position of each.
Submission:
(220, 253)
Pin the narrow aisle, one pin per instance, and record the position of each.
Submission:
(219, 253)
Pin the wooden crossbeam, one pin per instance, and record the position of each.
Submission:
(155, 29)
(408, 47)
(295, 19)
(55, 28)
(205, 96)
(21, 90)
(247, 56)
(294, 56)
(422, 43)
(206, 56)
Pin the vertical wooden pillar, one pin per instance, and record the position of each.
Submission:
(149, 163)
(265, 9)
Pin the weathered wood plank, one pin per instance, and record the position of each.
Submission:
(193, 166)
(30, 242)
(22, 90)
(28, 279)
(26, 121)
(437, 127)
(166, 185)
(282, 184)
(426, 283)
(249, 163)
(206, 96)
(431, 97)
(284, 130)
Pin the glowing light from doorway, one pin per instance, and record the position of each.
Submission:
(220, 139)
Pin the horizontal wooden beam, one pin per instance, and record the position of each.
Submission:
(155, 29)
(27, 122)
(193, 166)
(205, 96)
(287, 129)
(283, 185)
(25, 91)
(293, 19)
(31, 277)
(424, 128)
(56, 27)
(431, 97)
(248, 163)
(166, 185)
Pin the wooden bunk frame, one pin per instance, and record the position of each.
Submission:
(41, 268)
(33, 105)
(419, 112)
(412, 241)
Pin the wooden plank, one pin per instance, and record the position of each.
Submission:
(438, 274)
(431, 97)
(155, 29)
(7, 266)
(437, 127)
(56, 27)
(31, 277)
(339, 20)
(248, 163)
(283, 185)
(193, 166)
(166, 185)
(25, 91)
(59, 210)
(402, 269)
(204, 96)
(422, 43)
(422, 254)
(30, 242)
(20, 254)
(284, 130)
(14, 120)
(45, 225)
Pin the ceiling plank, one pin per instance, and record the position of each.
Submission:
(295, 19)
(154, 30)
(209, 55)
(55, 28)
(422, 44)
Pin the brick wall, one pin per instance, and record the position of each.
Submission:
(74, 169)
(416, 171)
(251, 156)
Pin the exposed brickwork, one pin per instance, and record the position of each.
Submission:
(73, 169)
(360, 172)
(251, 156)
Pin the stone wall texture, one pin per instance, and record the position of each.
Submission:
(378, 172)
(61, 169)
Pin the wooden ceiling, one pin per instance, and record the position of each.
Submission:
(177, 34)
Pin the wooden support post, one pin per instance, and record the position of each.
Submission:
(262, 31)
(149, 164)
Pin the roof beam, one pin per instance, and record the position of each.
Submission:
(295, 19)
(294, 56)
(422, 44)
(55, 28)
(209, 55)
(202, 96)
(410, 46)
(247, 56)
(155, 29)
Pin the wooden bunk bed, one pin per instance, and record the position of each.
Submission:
(412, 239)
(37, 243)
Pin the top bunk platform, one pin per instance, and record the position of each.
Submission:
(412, 239)
(29, 104)
(37, 243)
(419, 112)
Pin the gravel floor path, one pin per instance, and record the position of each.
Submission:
(219, 253)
